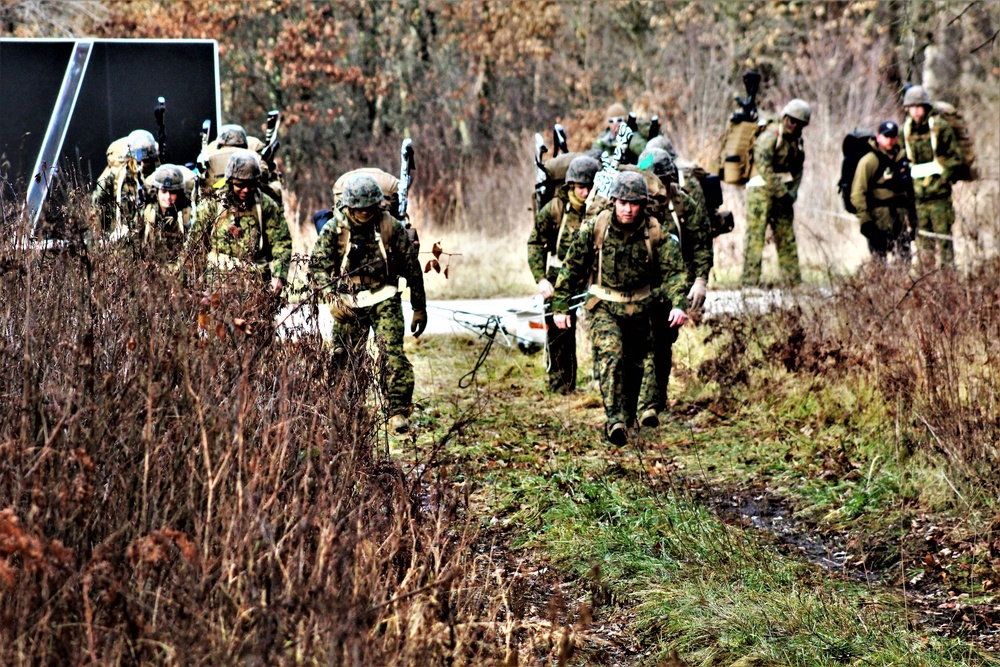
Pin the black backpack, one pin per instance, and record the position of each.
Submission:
(856, 146)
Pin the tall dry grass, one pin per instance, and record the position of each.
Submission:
(179, 487)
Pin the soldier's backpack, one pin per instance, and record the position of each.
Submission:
(967, 171)
(711, 185)
(856, 146)
(388, 183)
(736, 158)
(555, 175)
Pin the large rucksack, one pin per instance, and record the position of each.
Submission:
(555, 175)
(737, 150)
(856, 146)
(967, 170)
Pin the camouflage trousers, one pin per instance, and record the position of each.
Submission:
(659, 361)
(937, 216)
(764, 210)
(620, 344)
(386, 319)
(562, 355)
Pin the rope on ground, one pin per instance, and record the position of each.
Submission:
(489, 332)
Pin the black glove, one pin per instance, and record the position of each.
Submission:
(418, 323)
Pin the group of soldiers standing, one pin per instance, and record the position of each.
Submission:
(641, 264)
(234, 224)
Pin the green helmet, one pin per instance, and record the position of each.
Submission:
(243, 165)
(232, 135)
(168, 177)
(142, 145)
(661, 141)
(916, 96)
(582, 170)
(629, 186)
(361, 191)
(797, 109)
(659, 162)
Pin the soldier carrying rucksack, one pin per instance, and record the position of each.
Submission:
(120, 191)
(882, 195)
(936, 160)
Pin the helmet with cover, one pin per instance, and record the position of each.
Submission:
(582, 170)
(629, 186)
(660, 163)
(916, 96)
(798, 109)
(169, 177)
(361, 191)
(232, 135)
(243, 165)
(142, 145)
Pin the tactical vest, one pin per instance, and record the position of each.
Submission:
(394, 283)
(653, 237)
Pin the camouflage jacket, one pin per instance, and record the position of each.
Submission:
(556, 225)
(920, 150)
(357, 252)
(694, 231)
(628, 262)
(162, 231)
(116, 198)
(877, 183)
(775, 154)
(256, 234)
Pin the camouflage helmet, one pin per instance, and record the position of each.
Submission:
(142, 145)
(916, 96)
(659, 162)
(582, 170)
(662, 141)
(232, 135)
(243, 165)
(797, 109)
(168, 177)
(616, 110)
(361, 191)
(629, 186)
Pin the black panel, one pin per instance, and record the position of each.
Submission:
(31, 73)
(123, 80)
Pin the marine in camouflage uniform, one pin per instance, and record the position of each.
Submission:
(358, 262)
(167, 219)
(556, 226)
(635, 268)
(772, 191)
(243, 229)
(934, 152)
(687, 217)
(116, 198)
(880, 196)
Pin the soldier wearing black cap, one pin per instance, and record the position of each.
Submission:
(881, 195)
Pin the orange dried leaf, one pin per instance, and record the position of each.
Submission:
(437, 250)
(204, 320)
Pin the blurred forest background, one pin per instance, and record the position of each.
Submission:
(471, 80)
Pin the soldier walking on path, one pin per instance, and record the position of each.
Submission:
(166, 220)
(556, 226)
(933, 152)
(772, 190)
(634, 267)
(243, 229)
(362, 261)
(881, 195)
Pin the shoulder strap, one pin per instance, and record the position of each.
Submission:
(932, 122)
(654, 235)
(601, 226)
(559, 213)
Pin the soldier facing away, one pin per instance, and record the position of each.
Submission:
(243, 229)
(933, 151)
(119, 196)
(634, 268)
(360, 262)
(772, 190)
(880, 195)
(556, 226)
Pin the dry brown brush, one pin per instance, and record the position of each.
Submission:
(929, 341)
(177, 485)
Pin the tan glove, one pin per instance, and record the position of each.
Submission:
(696, 297)
(418, 323)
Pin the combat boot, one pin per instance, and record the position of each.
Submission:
(618, 434)
(650, 418)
